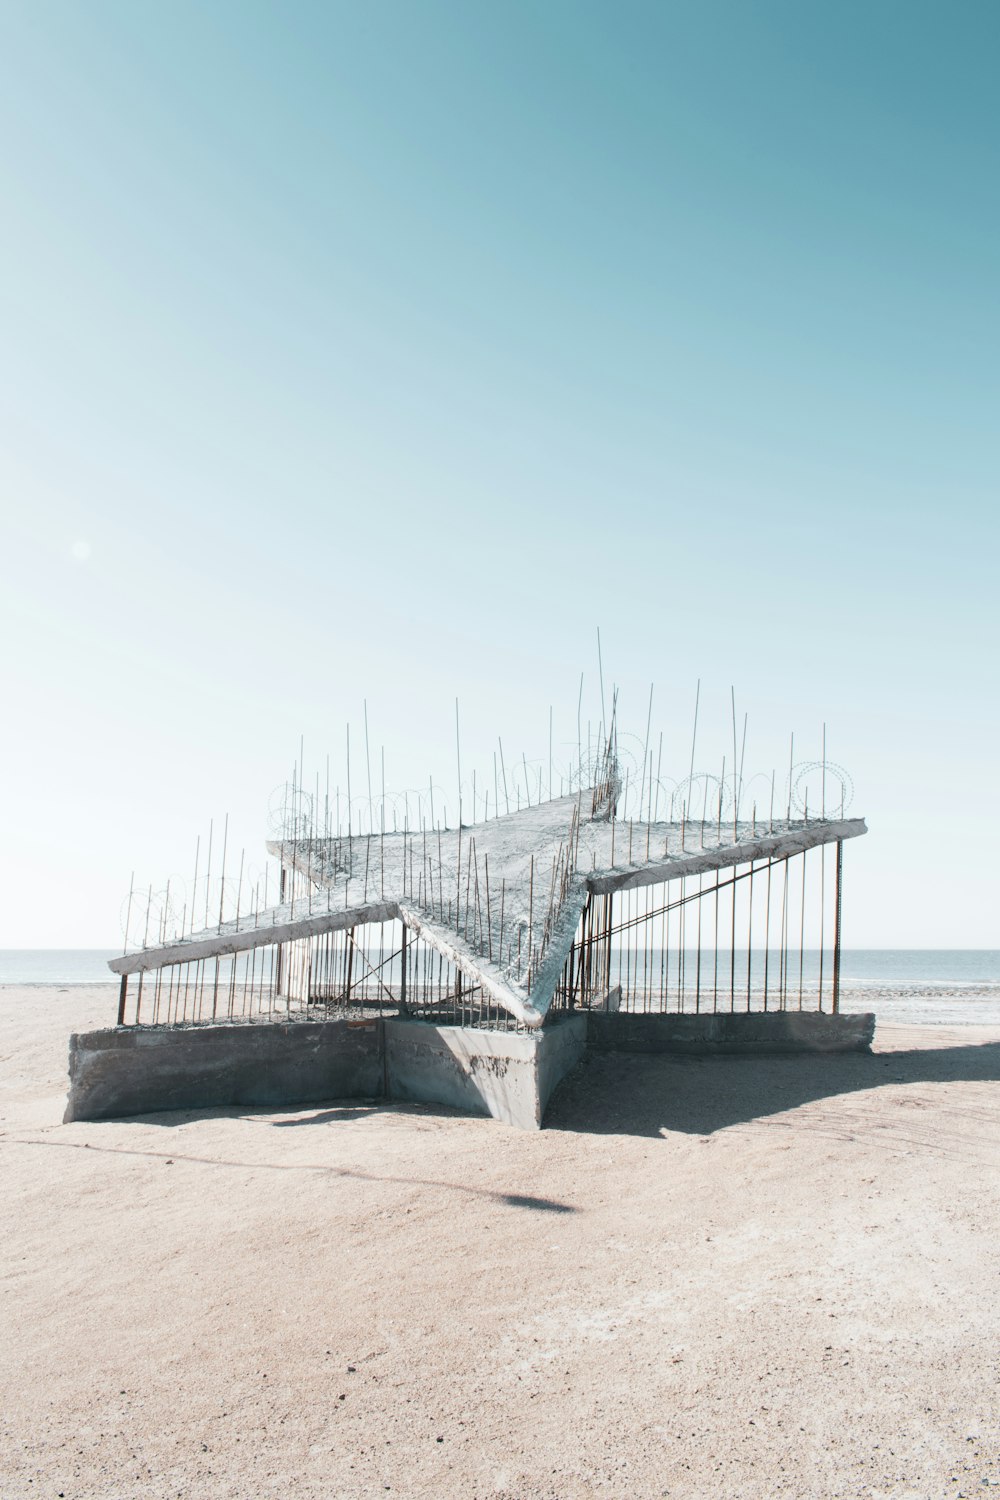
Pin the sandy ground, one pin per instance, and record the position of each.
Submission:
(728, 1277)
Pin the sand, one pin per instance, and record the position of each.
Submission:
(727, 1277)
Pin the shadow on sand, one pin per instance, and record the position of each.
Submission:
(621, 1093)
(171, 1157)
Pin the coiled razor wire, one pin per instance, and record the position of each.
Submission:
(832, 785)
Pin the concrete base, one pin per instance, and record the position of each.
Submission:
(507, 1074)
(142, 1070)
(731, 1032)
(135, 1070)
(510, 1075)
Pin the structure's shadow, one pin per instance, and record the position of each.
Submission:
(620, 1093)
(324, 1116)
(328, 1169)
(277, 1116)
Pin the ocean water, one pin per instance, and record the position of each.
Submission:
(61, 966)
(926, 986)
(932, 987)
(943, 986)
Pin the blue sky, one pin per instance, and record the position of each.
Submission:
(386, 351)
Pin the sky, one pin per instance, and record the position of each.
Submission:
(369, 357)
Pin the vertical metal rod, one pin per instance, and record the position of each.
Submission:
(822, 917)
(608, 911)
(531, 916)
(368, 769)
(349, 824)
(149, 902)
(697, 980)
(187, 981)
(381, 845)
(194, 884)
(458, 762)
(503, 897)
(732, 951)
(208, 871)
(503, 773)
(736, 794)
(489, 911)
(579, 730)
(784, 940)
(479, 909)
(128, 909)
(222, 882)
(402, 981)
(767, 920)
(468, 887)
(645, 752)
(694, 737)
(681, 944)
(750, 933)
(802, 927)
(715, 975)
(836, 929)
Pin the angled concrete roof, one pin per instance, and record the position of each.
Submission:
(539, 865)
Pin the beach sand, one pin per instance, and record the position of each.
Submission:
(727, 1277)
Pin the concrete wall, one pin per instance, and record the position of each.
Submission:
(482, 1072)
(753, 1031)
(511, 1075)
(507, 1074)
(135, 1070)
(561, 1046)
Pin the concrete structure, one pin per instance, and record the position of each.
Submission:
(516, 950)
(731, 1032)
(508, 1075)
(460, 965)
(145, 1070)
(133, 1070)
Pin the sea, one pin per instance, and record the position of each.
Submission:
(929, 986)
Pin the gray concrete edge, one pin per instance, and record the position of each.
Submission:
(510, 1076)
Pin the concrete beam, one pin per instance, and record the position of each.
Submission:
(746, 1032)
(767, 846)
(284, 928)
(279, 925)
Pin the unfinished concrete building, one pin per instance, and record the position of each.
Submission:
(471, 966)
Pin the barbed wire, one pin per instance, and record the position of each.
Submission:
(832, 785)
